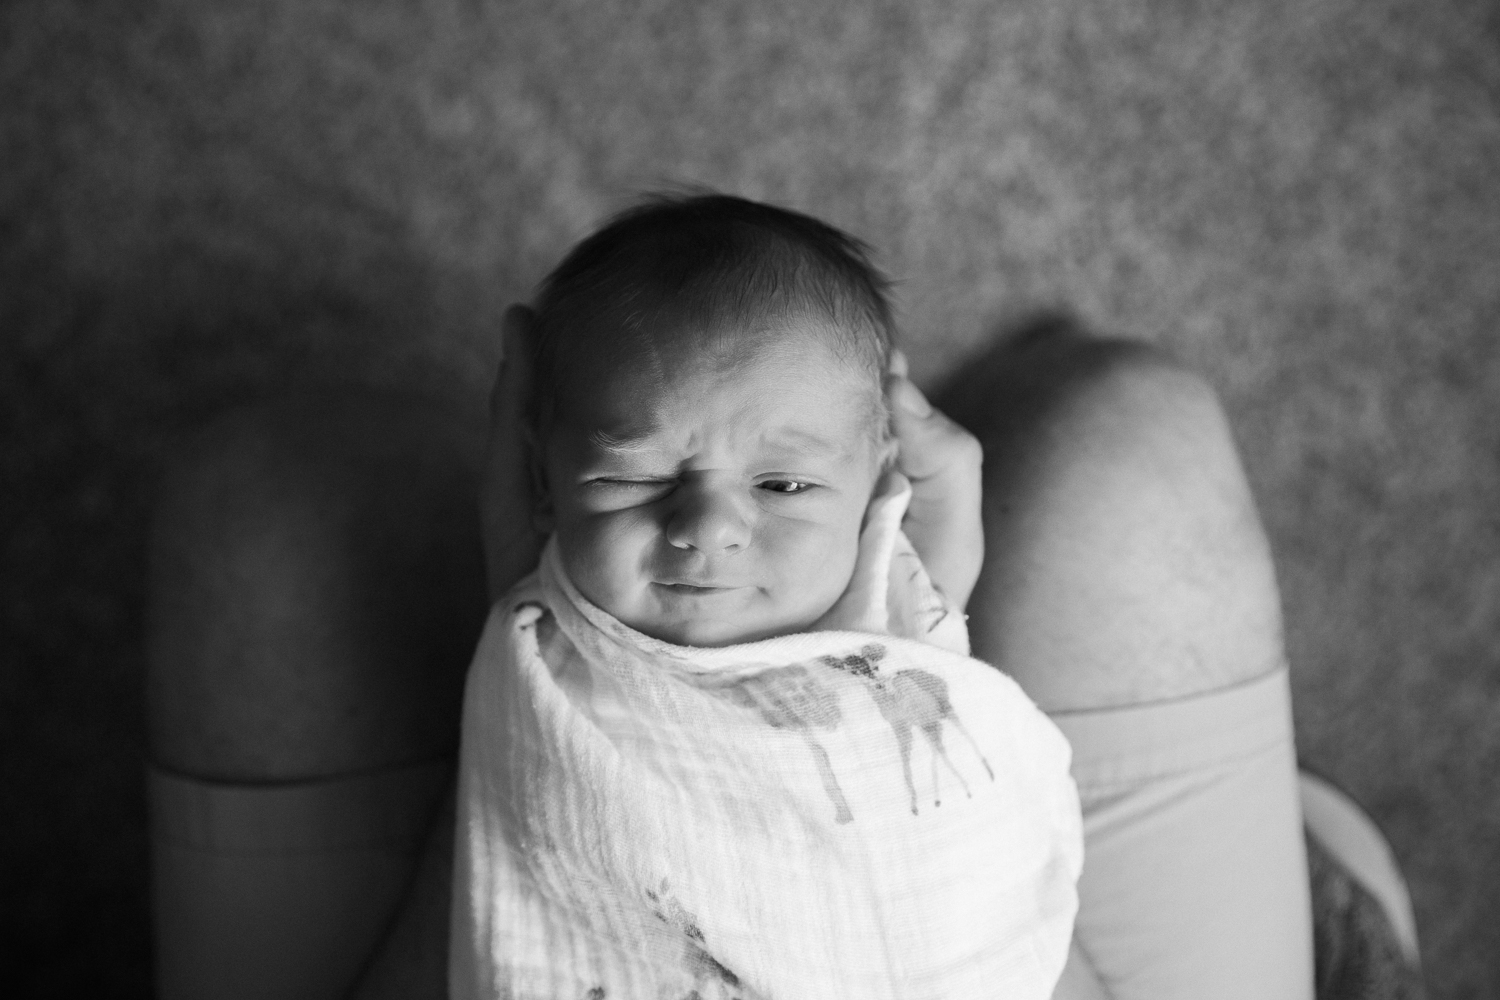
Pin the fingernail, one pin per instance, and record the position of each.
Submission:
(910, 399)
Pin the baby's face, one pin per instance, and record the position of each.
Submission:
(708, 495)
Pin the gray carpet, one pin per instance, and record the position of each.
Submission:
(204, 202)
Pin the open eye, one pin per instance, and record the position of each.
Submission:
(786, 487)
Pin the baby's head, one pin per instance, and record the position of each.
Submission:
(709, 416)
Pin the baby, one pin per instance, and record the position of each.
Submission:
(691, 738)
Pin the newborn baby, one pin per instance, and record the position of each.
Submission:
(727, 741)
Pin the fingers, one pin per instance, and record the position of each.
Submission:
(930, 444)
(509, 501)
(908, 398)
(898, 363)
(513, 381)
(944, 463)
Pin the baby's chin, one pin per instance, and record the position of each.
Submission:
(708, 633)
(684, 624)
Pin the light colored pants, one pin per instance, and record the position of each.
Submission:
(1194, 882)
(281, 890)
(1194, 877)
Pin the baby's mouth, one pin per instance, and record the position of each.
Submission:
(691, 588)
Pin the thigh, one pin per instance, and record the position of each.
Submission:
(316, 590)
(283, 890)
(1124, 557)
(1128, 588)
(1195, 873)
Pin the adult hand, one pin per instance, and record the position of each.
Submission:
(508, 504)
(944, 463)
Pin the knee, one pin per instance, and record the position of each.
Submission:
(1126, 560)
(1144, 434)
(315, 589)
(1135, 397)
(1092, 421)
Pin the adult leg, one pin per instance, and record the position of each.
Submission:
(316, 591)
(1128, 588)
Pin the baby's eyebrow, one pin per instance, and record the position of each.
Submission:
(633, 441)
(630, 443)
(804, 439)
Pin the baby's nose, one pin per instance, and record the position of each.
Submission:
(709, 521)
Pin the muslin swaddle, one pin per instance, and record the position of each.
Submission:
(861, 811)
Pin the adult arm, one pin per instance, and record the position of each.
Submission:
(945, 465)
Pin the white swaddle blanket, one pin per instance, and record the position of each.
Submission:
(862, 811)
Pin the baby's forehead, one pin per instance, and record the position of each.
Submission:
(660, 351)
(761, 381)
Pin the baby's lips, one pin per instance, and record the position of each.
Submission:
(700, 585)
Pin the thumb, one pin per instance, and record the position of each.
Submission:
(929, 443)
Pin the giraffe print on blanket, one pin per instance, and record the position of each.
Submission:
(791, 698)
(911, 699)
(704, 968)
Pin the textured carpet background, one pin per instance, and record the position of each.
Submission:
(205, 202)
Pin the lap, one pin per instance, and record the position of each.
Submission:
(1124, 558)
(316, 592)
(1195, 874)
(282, 890)
(316, 587)
(1128, 587)
(1125, 566)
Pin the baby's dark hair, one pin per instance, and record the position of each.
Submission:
(714, 261)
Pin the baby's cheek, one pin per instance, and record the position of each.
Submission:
(817, 562)
(604, 556)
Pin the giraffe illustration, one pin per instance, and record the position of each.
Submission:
(911, 699)
(704, 968)
(790, 698)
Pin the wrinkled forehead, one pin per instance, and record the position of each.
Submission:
(629, 315)
(794, 373)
